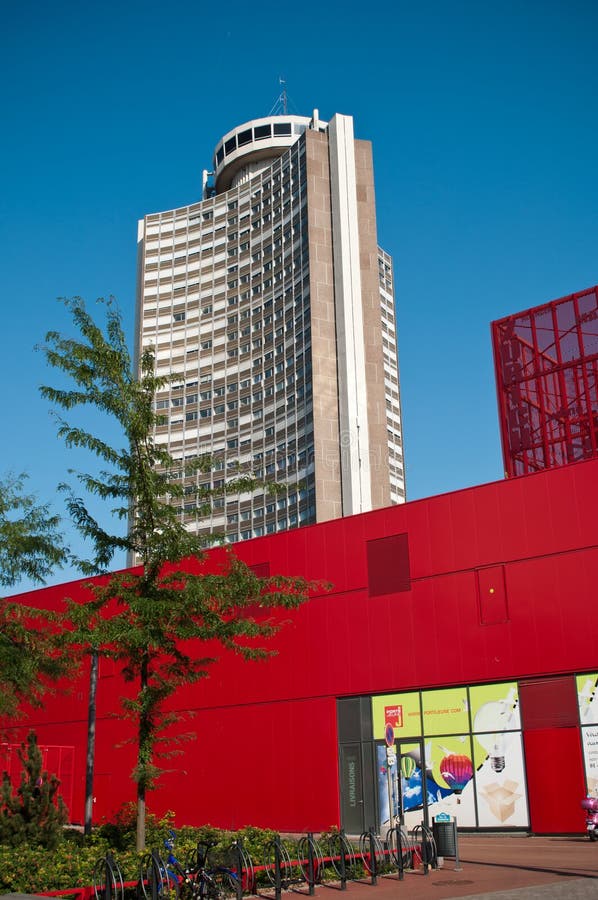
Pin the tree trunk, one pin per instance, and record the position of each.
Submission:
(91, 741)
(140, 817)
(143, 754)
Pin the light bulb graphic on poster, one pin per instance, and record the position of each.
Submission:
(493, 725)
(498, 755)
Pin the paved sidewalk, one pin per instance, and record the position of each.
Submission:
(494, 867)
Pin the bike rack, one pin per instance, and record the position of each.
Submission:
(372, 853)
(400, 849)
(429, 856)
(342, 857)
(156, 877)
(278, 866)
(107, 879)
(154, 881)
(243, 868)
(310, 861)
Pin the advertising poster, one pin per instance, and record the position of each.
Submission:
(495, 707)
(500, 781)
(445, 774)
(445, 711)
(589, 738)
(587, 697)
(498, 755)
(473, 766)
(450, 785)
(399, 710)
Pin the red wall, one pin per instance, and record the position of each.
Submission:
(265, 750)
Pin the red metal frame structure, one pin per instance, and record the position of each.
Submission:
(546, 361)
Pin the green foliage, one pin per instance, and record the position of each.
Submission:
(152, 620)
(71, 863)
(34, 814)
(31, 658)
(120, 832)
(30, 542)
(33, 869)
(30, 546)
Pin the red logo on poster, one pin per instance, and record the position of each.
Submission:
(394, 716)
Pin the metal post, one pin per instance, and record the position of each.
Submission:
(108, 876)
(424, 849)
(373, 859)
(342, 860)
(311, 864)
(156, 878)
(277, 873)
(239, 868)
(458, 868)
(400, 861)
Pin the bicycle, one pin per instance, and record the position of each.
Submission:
(195, 881)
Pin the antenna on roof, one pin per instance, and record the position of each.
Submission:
(281, 106)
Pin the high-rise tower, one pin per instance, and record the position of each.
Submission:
(272, 305)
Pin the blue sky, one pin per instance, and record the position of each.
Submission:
(483, 123)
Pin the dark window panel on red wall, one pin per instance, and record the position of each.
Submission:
(262, 570)
(492, 595)
(354, 715)
(548, 703)
(388, 565)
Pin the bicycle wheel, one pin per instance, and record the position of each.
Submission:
(372, 853)
(306, 845)
(340, 849)
(226, 883)
(106, 872)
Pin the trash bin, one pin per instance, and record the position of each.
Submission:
(445, 837)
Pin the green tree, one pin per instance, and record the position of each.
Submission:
(31, 660)
(30, 541)
(35, 813)
(153, 620)
(30, 547)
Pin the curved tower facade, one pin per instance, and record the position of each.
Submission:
(272, 307)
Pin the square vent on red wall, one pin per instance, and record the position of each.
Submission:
(388, 565)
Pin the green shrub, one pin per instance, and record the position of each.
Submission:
(71, 863)
(32, 814)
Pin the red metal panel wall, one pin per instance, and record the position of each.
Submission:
(266, 731)
(554, 791)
